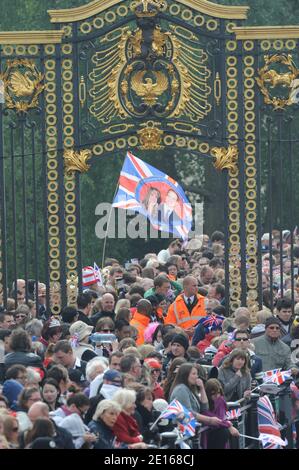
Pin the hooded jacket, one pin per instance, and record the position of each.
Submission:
(223, 350)
(11, 390)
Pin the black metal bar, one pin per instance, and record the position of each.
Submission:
(24, 204)
(35, 234)
(270, 211)
(44, 192)
(280, 180)
(61, 212)
(3, 212)
(241, 163)
(225, 178)
(14, 219)
(290, 203)
(258, 154)
(77, 144)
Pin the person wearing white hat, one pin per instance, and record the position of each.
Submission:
(80, 333)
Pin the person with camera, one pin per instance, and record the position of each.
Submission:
(80, 333)
(104, 338)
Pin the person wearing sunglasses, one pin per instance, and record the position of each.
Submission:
(242, 341)
(274, 352)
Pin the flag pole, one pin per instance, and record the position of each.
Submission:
(158, 419)
(250, 437)
(106, 233)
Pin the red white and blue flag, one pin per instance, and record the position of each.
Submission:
(212, 322)
(276, 376)
(98, 274)
(267, 425)
(233, 414)
(144, 189)
(186, 420)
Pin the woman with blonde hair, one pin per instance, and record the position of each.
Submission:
(102, 424)
(11, 431)
(234, 376)
(126, 427)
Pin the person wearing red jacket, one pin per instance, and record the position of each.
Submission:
(224, 349)
(155, 370)
(212, 327)
(126, 428)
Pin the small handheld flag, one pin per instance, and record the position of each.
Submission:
(268, 425)
(233, 414)
(185, 418)
(276, 376)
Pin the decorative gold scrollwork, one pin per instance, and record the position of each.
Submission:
(226, 159)
(271, 77)
(150, 137)
(22, 84)
(76, 161)
(177, 84)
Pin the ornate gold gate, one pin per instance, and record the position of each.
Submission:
(146, 75)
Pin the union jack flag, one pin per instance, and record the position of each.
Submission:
(98, 274)
(187, 422)
(276, 376)
(136, 182)
(212, 322)
(233, 414)
(267, 424)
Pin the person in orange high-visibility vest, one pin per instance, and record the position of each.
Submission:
(142, 318)
(188, 308)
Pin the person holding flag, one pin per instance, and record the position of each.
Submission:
(217, 438)
(189, 390)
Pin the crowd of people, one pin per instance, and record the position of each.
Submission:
(99, 374)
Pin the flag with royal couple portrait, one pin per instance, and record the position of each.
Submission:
(147, 190)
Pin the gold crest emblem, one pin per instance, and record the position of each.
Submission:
(270, 78)
(22, 85)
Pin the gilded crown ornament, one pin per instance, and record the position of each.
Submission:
(22, 85)
(76, 161)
